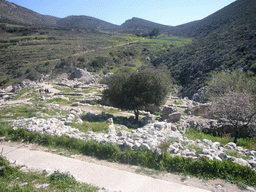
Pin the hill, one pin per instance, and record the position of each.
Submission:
(139, 24)
(86, 22)
(14, 14)
(237, 12)
(224, 40)
(227, 42)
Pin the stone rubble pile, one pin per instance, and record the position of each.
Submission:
(11, 91)
(155, 136)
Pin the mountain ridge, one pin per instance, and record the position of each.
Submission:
(15, 14)
(197, 28)
(82, 21)
(139, 23)
(230, 13)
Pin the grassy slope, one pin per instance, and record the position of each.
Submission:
(27, 52)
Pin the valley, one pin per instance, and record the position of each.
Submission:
(54, 73)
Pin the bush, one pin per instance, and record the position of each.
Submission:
(62, 180)
(81, 59)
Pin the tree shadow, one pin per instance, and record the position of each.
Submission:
(128, 122)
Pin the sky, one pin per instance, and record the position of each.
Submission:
(167, 12)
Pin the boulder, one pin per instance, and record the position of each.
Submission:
(111, 130)
(145, 146)
(79, 121)
(75, 104)
(82, 75)
(252, 163)
(160, 125)
(241, 161)
(173, 149)
(174, 117)
(200, 95)
(68, 122)
(147, 120)
(197, 109)
(223, 155)
(128, 145)
(168, 109)
(230, 145)
(122, 133)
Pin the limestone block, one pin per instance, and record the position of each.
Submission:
(174, 117)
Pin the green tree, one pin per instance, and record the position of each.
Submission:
(132, 90)
(233, 98)
(155, 32)
(222, 82)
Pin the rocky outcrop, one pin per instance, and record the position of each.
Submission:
(199, 96)
(198, 109)
(11, 91)
(82, 75)
(167, 110)
(150, 137)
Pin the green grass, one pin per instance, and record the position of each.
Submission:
(66, 90)
(178, 102)
(15, 39)
(13, 179)
(99, 127)
(202, 168)
(60, 101)
(111, 111)
(249, 143)
(22, 92)
(24, 111)
(116, 69)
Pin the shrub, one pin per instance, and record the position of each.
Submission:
(81, 59)
(62, 180)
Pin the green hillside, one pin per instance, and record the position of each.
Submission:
(231, 46)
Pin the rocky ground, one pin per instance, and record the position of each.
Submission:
(154, 134)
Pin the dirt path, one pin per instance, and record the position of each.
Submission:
(49, 86)
(106, 174)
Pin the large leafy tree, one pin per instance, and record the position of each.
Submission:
(132, 90)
